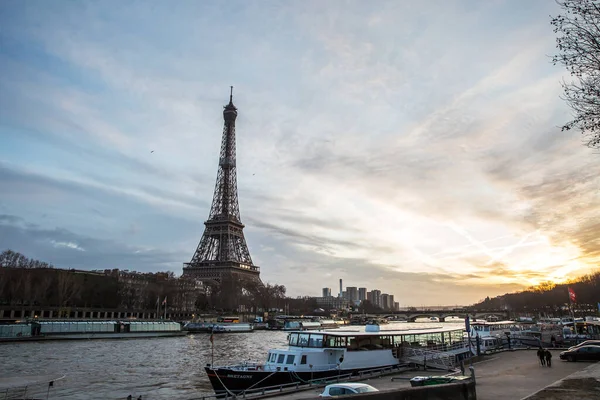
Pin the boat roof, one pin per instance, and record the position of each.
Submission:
(20, 381)
(382, 332)
(494, 323)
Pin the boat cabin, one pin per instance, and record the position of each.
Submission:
(323, 350)
(497, 329)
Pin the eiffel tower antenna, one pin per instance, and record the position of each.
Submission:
(223, 249)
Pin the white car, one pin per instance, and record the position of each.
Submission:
(342, 389)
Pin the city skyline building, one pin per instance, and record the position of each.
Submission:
(385, 298)
(376, 297)
(355, 295)
(352, 294)
(362, 294)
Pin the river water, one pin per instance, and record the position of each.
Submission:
(158, 368)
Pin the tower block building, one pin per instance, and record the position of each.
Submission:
(222, 252)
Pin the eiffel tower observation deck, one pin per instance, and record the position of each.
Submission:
(222, 251)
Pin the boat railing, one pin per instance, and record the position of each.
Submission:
(440, 347)
(294, 387)
(433, 358)
(255, 366)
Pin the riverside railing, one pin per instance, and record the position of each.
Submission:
(428, 357)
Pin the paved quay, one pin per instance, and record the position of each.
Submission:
(508, 375)
(581, 385)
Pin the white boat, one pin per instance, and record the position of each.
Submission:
(490, 336)
(300, 325)
(328, 324)
(313, 355)
(495, 335)
(232, 328)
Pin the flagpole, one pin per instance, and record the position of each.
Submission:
(212, 345)
(165, 307)
(158, 307)
(572, 310)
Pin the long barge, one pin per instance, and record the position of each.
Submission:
(88, 330)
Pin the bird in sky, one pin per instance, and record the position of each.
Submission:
(152, 151)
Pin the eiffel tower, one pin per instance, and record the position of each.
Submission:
(222, 251)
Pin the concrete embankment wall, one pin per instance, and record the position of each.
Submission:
(451, 391)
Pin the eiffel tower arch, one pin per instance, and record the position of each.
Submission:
(222, 256)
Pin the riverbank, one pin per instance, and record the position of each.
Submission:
(507, 375)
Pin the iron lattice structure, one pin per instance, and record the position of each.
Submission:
(223, 251)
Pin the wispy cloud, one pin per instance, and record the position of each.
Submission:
(68, 245)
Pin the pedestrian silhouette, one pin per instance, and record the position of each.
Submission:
(541, 356)
(548, 357)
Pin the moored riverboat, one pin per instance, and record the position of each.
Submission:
(76, 329)
(218, 327)
(318, 355)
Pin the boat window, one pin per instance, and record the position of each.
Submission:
(352, 343)
(303, 339)
(280, 359)
(315, 341)
(331, 341)
(303, 359)
(290, 359)
(293, 339)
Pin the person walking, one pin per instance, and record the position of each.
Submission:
(541, 356)
(548, 357)
(553, 341)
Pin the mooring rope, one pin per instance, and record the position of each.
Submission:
(222, 384)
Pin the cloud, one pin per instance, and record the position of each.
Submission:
(68, 245)
(404, 147)
(65, 249)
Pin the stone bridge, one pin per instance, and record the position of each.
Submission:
(441, 315)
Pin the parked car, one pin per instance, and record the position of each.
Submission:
(342, 389)
(586, 343)
(583, 353)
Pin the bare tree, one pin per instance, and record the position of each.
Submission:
(41, 288)
(67, 287)
(578, 43)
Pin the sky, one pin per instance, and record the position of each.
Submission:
(409, 147)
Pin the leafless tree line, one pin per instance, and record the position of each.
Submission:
(548, 297)
(30, 282)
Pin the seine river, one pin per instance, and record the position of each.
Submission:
(159, 368)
